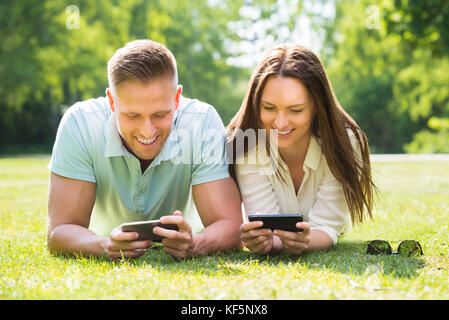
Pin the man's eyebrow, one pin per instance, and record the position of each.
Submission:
(129, 112)
(291, 106)
(132, 113)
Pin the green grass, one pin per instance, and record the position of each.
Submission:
(413, 204)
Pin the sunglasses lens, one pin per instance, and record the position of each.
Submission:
(410, 248)
(378, 247)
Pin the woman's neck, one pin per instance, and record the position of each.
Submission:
(296, 152)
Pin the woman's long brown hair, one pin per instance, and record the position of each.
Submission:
(330, 123)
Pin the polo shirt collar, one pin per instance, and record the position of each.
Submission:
(114, 145)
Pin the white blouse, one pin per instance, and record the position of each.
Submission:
(320, 198)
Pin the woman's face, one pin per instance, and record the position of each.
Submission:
(287, 109)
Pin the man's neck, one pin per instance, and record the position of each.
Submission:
(144, 164)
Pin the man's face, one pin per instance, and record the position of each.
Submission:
(144, 114)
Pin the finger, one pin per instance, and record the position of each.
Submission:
(178, 220)
(263, 247)
(174, 219)
(129, 245)
(184, 244)
(296, 236)
(254, 242)
(167, 233)
(294, 245)
(175, 253)
(244, 227)
(119, 235)
(120, 254)
(254, 233)
(260, 232)
(143, 244)
(305, 226)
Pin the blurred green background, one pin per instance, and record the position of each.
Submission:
(388, 60)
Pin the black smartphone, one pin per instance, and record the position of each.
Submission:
(286, 222)
(145, 229)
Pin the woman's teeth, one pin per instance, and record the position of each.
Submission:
(143, 141)
(283, 132)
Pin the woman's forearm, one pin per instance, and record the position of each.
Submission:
(320, 240)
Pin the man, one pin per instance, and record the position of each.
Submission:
(116, 159)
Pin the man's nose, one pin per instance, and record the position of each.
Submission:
(148, 129)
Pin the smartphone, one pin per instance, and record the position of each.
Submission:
(286, 222)
(145, 229)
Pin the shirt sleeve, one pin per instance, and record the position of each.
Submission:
(330, 212)
(70, 157)
(256, 190)
(210, 163)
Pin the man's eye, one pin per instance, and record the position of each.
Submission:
(132, 116)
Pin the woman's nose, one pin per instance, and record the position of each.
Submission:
(281, 121)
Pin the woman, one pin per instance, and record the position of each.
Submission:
(320, 166)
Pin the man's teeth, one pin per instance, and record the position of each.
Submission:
(146, 141)
(283, 132)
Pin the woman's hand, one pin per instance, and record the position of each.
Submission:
(259, 241)
(295, 242)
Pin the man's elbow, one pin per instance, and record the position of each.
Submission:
(51, 241)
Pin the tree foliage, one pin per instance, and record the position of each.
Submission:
(390, 71)
(387, 61)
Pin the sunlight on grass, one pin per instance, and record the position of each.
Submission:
(412, 204)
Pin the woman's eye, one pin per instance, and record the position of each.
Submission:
(268, 108)
(296, 111)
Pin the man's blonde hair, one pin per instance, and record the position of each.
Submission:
(141, 60)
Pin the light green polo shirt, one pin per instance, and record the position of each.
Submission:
(88, 147)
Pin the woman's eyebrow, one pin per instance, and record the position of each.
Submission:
(292, 106)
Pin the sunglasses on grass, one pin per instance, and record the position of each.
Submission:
(406, 247)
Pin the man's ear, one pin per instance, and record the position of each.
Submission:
(178, 96)
(111, 99)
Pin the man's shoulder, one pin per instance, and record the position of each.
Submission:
(193, 111)
(86, 120)
(188, 105)
(89, 110)
(90, 115)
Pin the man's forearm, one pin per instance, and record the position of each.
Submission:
(73, 239)
(219, 236)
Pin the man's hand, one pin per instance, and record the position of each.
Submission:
(178, 244)
(121, 244)
(259, 241)
(295, 242)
